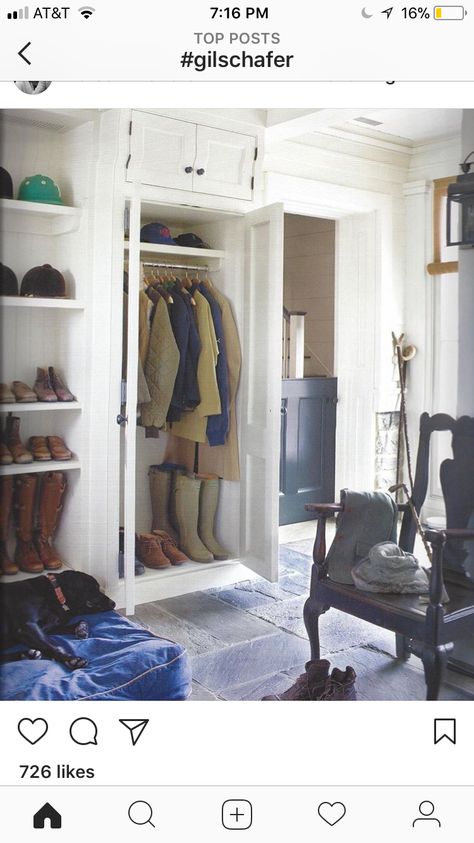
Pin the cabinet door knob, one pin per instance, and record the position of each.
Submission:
(188, 169)
(201, 171)
(122, 419)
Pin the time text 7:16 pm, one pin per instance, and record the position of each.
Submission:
(235, 12)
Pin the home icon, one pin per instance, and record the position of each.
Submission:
(47, 812)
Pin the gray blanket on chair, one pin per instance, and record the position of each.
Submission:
(368, 518)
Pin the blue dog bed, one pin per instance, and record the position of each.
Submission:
(125, 662)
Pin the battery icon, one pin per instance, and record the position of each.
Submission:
(449, 13)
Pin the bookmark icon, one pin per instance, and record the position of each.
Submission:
(136, 728)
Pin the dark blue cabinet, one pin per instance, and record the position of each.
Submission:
(307, 445)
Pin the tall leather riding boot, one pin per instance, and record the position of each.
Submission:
(187, 488)
(161, 479)
(13, 442)
(208, 500)
(53, 486)
(26, 556)
(7, 566)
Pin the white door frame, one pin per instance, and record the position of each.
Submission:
(330, 201)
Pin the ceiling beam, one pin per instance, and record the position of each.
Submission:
(315, 121)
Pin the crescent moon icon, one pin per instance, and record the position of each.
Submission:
(365, 14)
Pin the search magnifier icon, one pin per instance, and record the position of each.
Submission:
(140, 813)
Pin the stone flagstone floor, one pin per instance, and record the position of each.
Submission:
(249, 640)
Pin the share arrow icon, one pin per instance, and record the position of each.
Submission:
(136, 728)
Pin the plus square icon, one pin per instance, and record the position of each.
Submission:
(237, 814)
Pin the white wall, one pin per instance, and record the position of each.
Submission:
(466, 298)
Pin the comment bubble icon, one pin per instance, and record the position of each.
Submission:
(83, 731)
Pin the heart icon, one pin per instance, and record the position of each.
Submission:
(32, 730)
(331, 812)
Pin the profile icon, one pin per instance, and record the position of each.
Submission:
(32, 88)
(426, 810)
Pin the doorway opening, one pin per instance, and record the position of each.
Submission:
(309, 388)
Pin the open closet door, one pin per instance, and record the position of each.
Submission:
(358, 311)
(261, 389)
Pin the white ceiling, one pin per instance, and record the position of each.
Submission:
(415, 125)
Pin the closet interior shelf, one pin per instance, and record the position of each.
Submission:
(179, 251)
(40, 467)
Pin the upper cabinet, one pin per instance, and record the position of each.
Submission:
(185, 156)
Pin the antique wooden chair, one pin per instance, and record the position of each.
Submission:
(428, 630)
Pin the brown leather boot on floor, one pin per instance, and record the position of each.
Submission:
(26, 556)
(53, 487)
(149, 551)
(43, 386)
(309, 686)
(7, 566)
(170, 548)
(20, 454)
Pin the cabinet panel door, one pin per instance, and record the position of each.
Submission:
(260, 390)
(227, 161)
(160, 150)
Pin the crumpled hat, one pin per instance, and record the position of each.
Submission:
(390, 570)
(6, 184)
(8, 281)
(43, 281)
(191, 240)
(156, 232)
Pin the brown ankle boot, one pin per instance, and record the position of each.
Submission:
(170, 548)
(149, 551)
(53, 487)
(14, 444)
(43, 386)
(26, 556)
(6, 495)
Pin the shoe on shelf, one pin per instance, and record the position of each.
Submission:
(13, 442)
(60, 388)
(149, 551)
(309, 686)
(5, 455)
(170, 548)
(6, 395)
(58, 448)
(43, 387)
(340, 686)
(23, 393)
(47, 553)
(39, 448)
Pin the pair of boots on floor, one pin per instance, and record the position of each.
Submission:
(34, 549)
(316, 684)
(184, 506)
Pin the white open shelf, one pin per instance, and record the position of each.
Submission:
(26, 301)
(38, 406)
(40, 466)
(178, 251)
(38, 217)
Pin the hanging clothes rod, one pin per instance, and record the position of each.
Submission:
(161, 265)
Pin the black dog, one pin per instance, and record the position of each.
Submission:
(32, 608)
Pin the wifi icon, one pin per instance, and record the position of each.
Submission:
(86, 11)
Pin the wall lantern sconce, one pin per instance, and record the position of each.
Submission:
(460, 209)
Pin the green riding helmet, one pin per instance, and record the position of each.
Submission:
(40, 189)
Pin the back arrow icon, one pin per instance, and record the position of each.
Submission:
(20, 53)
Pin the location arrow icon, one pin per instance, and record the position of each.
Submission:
(135, 727)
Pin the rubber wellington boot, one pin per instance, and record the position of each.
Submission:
(53, 487)
(160, 477)
(26, 556)
(187, 488)
(7, 566)
(208, 499)
(14, 444)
